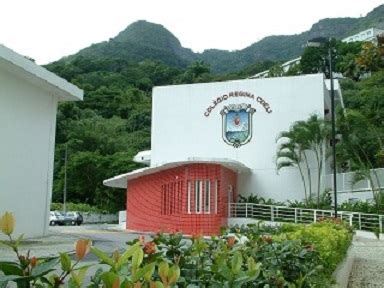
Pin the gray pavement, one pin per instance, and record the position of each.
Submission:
(62, 238)
(368, 266)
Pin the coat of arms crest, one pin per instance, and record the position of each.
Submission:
(237, 124)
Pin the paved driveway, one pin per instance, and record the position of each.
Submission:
(62, 238)
(107, 237)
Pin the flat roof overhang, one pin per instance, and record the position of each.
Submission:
(26, 69)
(121, 181)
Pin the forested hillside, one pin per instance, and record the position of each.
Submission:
(113, 122)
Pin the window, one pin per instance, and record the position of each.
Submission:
(198, 192)
(189, 197)
(230, 194)
(207, 197)
(216, 195)
(171, 198)
(200, 198)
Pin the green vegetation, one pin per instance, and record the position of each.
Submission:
(325, 204)
(107, 129)
(77, 207)
(247, 256)
(327, 237)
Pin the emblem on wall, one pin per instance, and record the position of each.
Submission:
(237, 124)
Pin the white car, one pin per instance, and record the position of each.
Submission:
(73, 218)
(56, 218)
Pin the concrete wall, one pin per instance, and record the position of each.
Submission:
(181, 130)
(27, 125)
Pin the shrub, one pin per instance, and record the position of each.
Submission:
(331, 239)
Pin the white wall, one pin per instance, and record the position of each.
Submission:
(180, 130)
(27, 126)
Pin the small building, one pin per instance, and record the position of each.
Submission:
(284, 68)
(29, 95)
(369, 35)
(211, 143)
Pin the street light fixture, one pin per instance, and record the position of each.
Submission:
(320, 42)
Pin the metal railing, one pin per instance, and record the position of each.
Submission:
(345, 182)
(361, 221)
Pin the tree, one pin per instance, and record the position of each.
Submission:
(276, 71)
(197, 72)
(313, 60)
(349, 67)
(316, 59)
(291, 153)
(303, 140)
(315, 132)
(294, 70)
(369, 58)
(360, 140)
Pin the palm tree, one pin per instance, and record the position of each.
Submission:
(349, 67)
(291, 153)
(304, 138)
(315, 131)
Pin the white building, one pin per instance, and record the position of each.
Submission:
(29, 95)
(284, 67)
(213, 142)
(369, 35)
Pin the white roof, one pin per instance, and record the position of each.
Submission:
(30, 71)
(121, 181)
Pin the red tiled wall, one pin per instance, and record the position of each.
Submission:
(145, 200)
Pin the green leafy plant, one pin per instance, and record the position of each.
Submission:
(30, 271)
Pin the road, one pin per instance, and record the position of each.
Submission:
(62, 238)
(104, 236)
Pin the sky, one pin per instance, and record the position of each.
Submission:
(47, 30)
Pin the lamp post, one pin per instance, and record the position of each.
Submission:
(65, 179)
(318, 42)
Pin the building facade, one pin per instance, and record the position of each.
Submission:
(29, 95)
(213, 142)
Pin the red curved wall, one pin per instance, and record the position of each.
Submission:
(158, 202)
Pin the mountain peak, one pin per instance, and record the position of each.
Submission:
(144, 40)
(149, 34)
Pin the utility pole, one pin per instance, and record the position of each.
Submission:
(65, 178)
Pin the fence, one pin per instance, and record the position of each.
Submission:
(345, 183)
(361, 221)
(99, 218)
